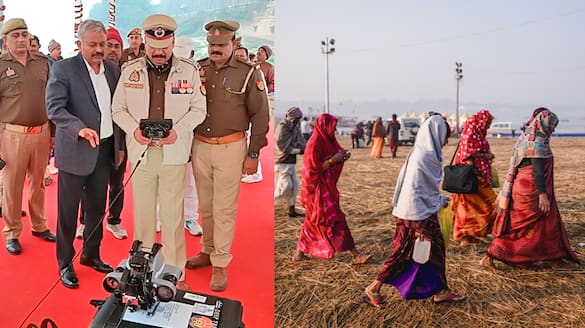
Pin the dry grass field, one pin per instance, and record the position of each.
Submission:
(328, 293)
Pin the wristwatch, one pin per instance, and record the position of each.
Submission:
(253, 155)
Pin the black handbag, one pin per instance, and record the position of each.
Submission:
(461, 178)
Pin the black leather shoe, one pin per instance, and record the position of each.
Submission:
(96, 264)
(69, 277)
(46, 235)
(13, 246)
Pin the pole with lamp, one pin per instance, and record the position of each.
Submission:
(458, 77)
(327, 49)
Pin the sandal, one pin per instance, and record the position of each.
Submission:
(450, 298)
(564, 265)
(362, 259)
(374, 299)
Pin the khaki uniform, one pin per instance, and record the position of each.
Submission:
(161, 173)
(128, 55)
(236, 97)
(24, 139)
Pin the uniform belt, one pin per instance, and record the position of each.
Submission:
(25, 129)
(222, 140)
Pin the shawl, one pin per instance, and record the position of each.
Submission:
(533, 143)
(320, 147)
(288, 136)
(379, 130)
(473, 140)
(417, 194)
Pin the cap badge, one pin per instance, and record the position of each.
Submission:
(159, 32)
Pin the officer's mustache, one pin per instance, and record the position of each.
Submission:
(159, 56)
(98, 54)
(216, 53)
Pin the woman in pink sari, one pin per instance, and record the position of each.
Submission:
(324, 231)
(528, 227)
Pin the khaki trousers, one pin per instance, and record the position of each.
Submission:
(218, 170)
(153, 180)
(25, 155)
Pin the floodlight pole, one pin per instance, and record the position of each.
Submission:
(458, 77)
(327, 49)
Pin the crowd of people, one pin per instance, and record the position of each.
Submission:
(94, 111)
(523, 220)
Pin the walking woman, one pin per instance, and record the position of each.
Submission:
(528, 227)
(378, 135)
(417, 200)
(324, 231)
(475, 213)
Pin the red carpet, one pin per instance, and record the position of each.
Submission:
(26, 278)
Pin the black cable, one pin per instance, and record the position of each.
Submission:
(92, 232)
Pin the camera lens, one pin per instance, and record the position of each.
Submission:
(164, 293)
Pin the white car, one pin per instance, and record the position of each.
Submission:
(408, 130)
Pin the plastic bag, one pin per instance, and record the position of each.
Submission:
(446, 221)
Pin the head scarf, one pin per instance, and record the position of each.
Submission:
(533, 143)
(293, 113)
(379, 130)
(473, 140)
(417, 194)
(320, 147)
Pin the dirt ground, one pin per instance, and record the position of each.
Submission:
(328, 293)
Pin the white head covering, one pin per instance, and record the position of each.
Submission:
(417, 194)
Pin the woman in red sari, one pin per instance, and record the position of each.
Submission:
(528, 227)
(324, 231)
(475, 213)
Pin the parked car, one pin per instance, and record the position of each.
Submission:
(408, 130)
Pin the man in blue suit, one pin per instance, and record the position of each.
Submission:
(79, 96)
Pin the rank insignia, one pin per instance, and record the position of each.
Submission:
(260, 85)
(134, 76)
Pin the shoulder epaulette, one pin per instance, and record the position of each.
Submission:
(243, 61)
(130, 62)
(204, 62)
(189, 61)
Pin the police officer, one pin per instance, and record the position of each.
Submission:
(236, 97)
(136, 48)
(25, 134)
(160, 86)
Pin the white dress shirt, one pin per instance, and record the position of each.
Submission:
(104, 99)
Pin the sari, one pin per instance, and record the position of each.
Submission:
(378, 138)
(523, 234)
(475, 213)
(324, 231)
(417, 200)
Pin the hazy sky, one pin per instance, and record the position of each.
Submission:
(49, 20)
(512, 51)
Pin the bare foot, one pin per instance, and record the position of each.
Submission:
(299, 256)
(488, 263)
(361, 259)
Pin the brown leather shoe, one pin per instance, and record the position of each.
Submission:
(218, 279)
(182, 285)
(198, 261)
